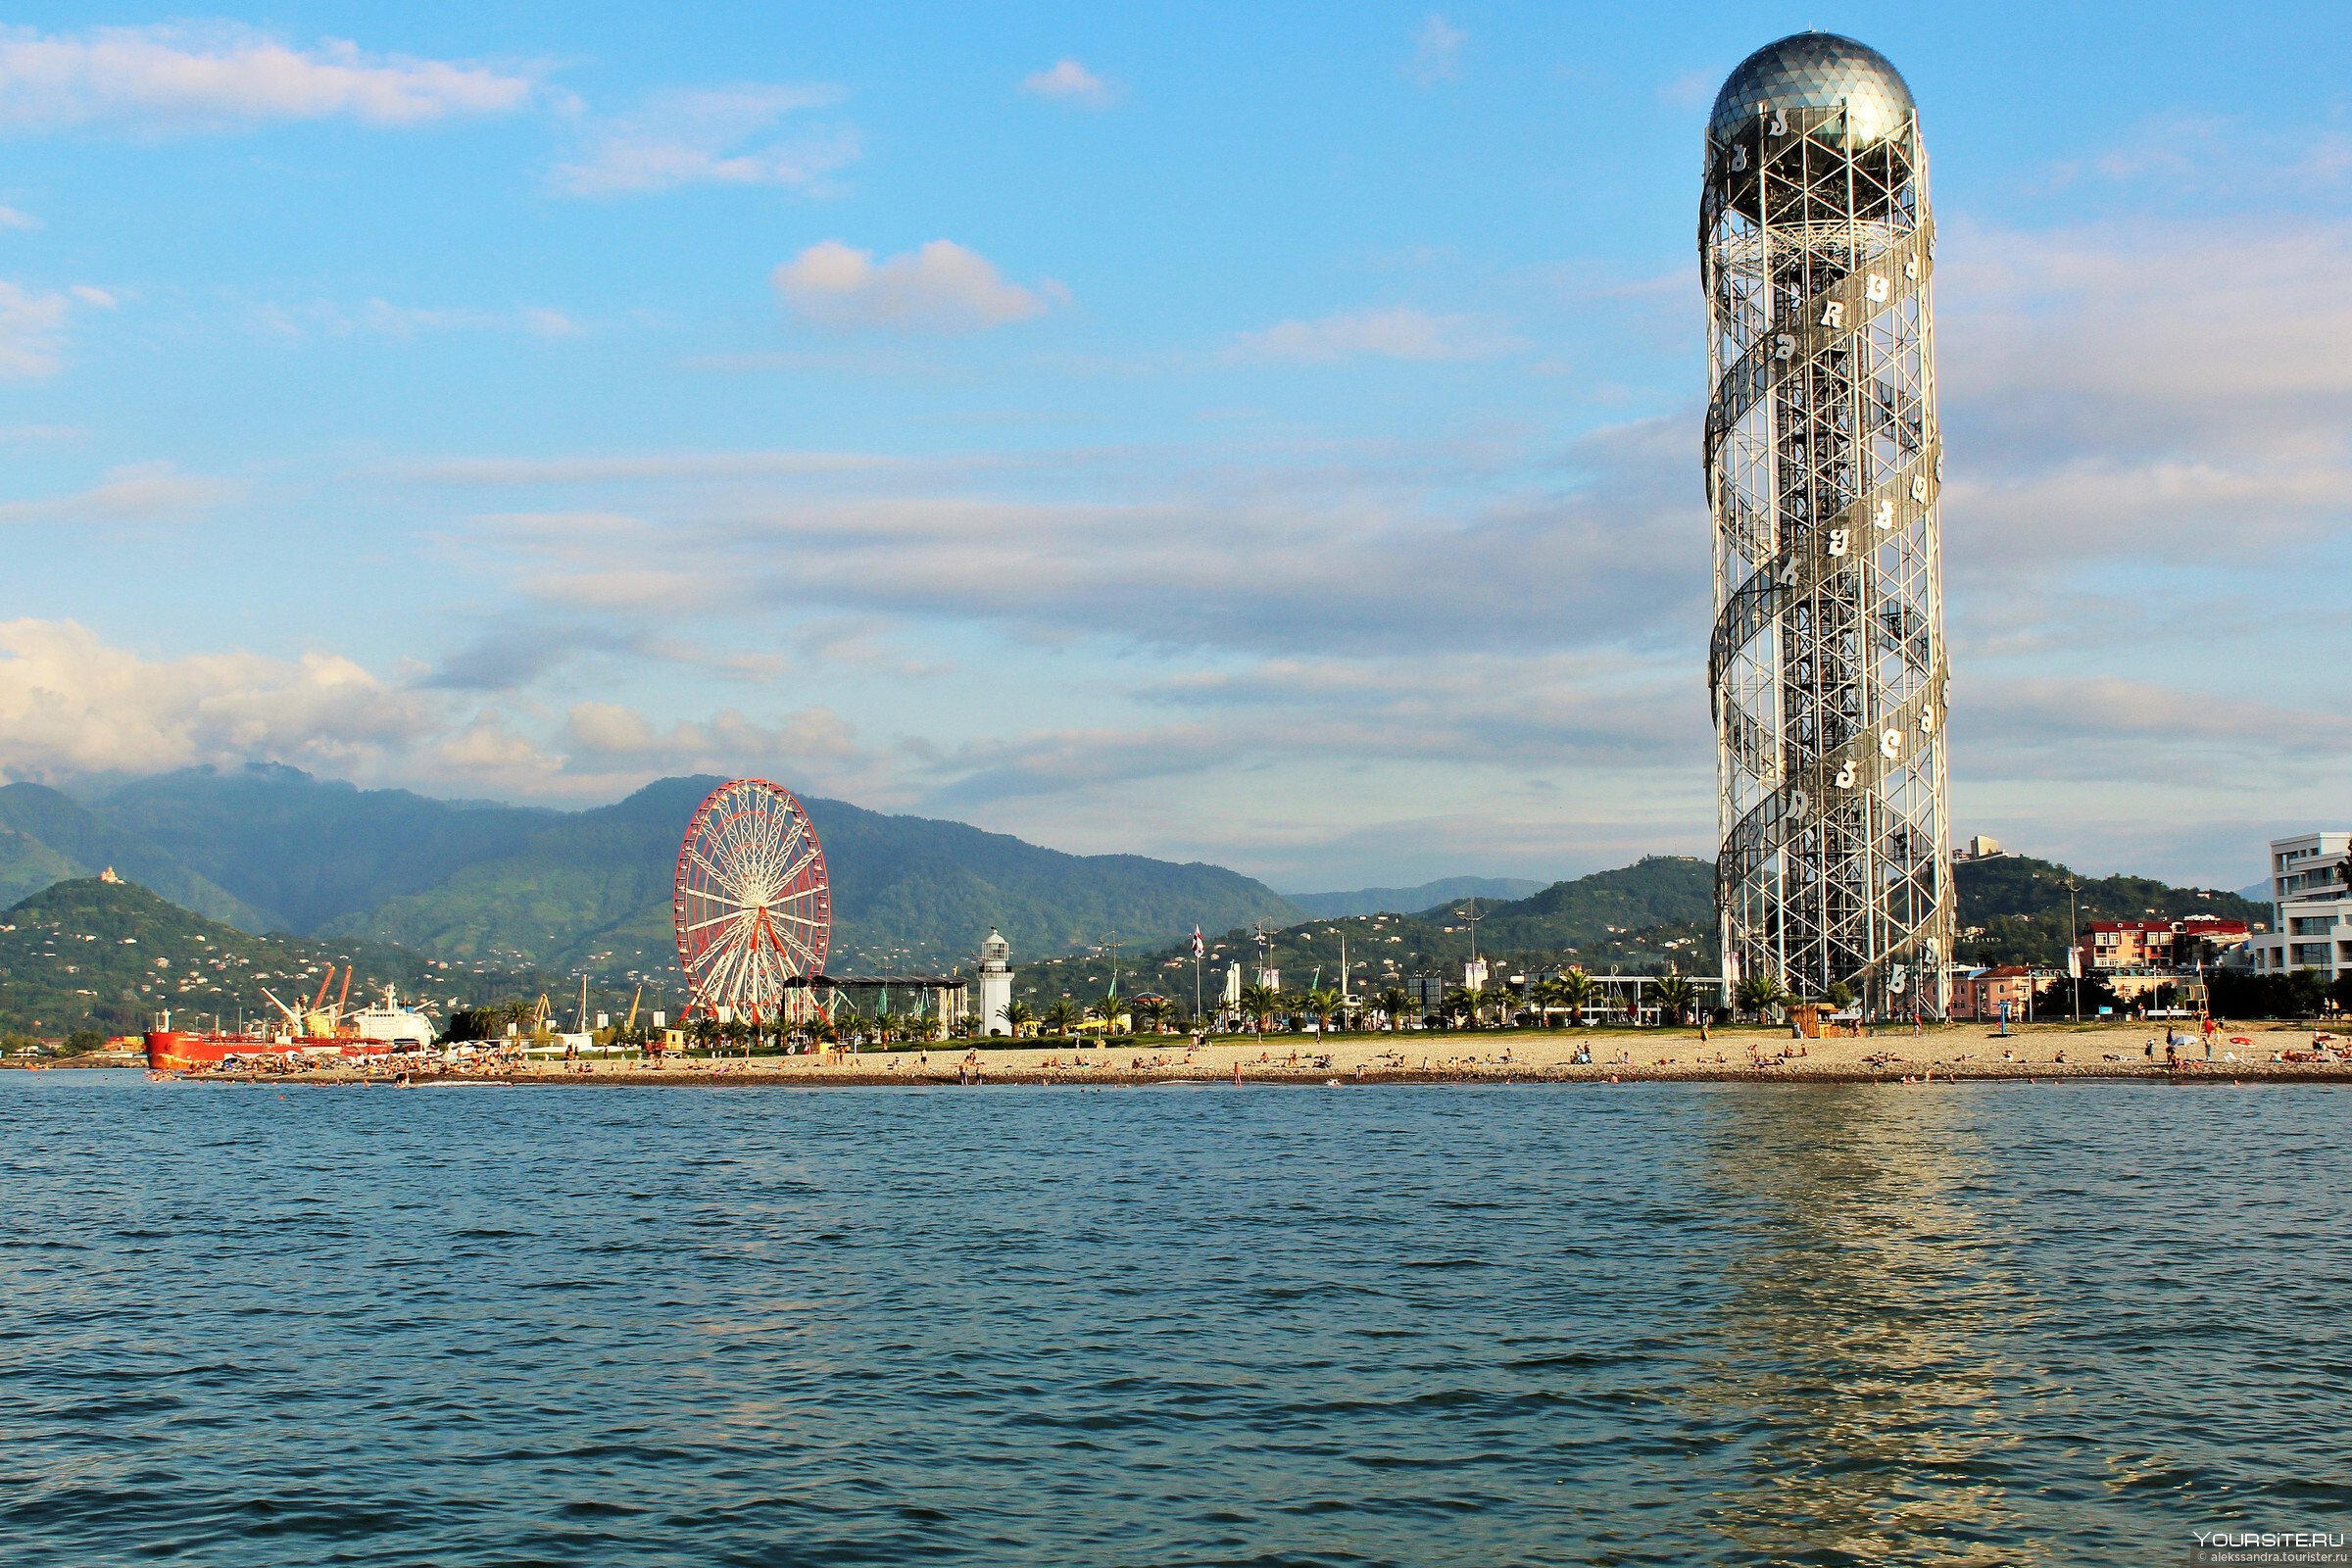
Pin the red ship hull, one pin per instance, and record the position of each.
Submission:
(186, 1051)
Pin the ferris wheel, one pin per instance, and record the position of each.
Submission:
(753, 908)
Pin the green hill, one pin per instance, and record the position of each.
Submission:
(1636, 919)
(1656, 890)
(93, 955)
(46, 837)
(2013, 908)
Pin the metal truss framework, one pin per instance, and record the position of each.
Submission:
(1823, 462)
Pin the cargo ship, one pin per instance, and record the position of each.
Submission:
(317, 1031)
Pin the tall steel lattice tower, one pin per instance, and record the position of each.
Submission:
(1823, 462)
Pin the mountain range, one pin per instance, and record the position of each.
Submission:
(1640, 918)
(1411, 900)
(504, 889)
(272, 849)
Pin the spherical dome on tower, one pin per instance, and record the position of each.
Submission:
(1815, 71)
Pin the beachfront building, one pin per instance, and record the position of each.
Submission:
(2159, 943)
(2311, 900)
(996, 984)
(1981, 993)
(1823, 464)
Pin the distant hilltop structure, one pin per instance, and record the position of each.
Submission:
(1981, 847)
(1824, 464)
(996, 984)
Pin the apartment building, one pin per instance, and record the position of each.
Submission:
(2312, 928)
(2157, 944)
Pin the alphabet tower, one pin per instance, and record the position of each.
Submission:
(1823, 462)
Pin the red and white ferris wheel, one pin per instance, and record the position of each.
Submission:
(753, 909)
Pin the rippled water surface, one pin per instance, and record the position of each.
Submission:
(1654, 1324)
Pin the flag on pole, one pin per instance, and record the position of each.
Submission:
(2073, 962)
(1199, 946)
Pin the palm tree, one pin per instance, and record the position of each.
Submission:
(1675, 997)
(1320, 1005)
(1108, 1009)
(1153, 1012)
(1062, 1018)
(1759, 992)
(1259, 1004)
(1575, 990)
(1392, 1004)
(1017, 1015)
(1458, 1005)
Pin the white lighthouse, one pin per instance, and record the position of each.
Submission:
(996, 984)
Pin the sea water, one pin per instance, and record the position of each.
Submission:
(1671, 1324)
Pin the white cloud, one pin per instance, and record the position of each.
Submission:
(599, 735)
(30, 328)
(1400, 334)
(139, 492)
(381, 317)
(1437, 51)
(657, 467)
(708, 137)
(71, 703)
(1426, 541)
(2129, 393)
(1068, 81)
(942, 287)
(181, 77)
(9, 218)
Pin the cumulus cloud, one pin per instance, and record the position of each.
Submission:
(138, 492)
(708, 137)
(1437, 51)
(181, 77)
(1400, 334)
(9, 218)
(71, 703)
(1068, 81)
(941, 288)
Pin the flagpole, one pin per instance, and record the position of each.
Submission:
(1197, 946)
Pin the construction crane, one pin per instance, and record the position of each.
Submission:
(632, 1020)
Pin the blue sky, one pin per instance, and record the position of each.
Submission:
(1261, 434)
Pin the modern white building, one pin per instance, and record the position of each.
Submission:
(2310, 926)
(996, 984)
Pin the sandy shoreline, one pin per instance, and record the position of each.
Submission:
(1745, 1055)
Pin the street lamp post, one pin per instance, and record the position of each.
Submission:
(2074, 929)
